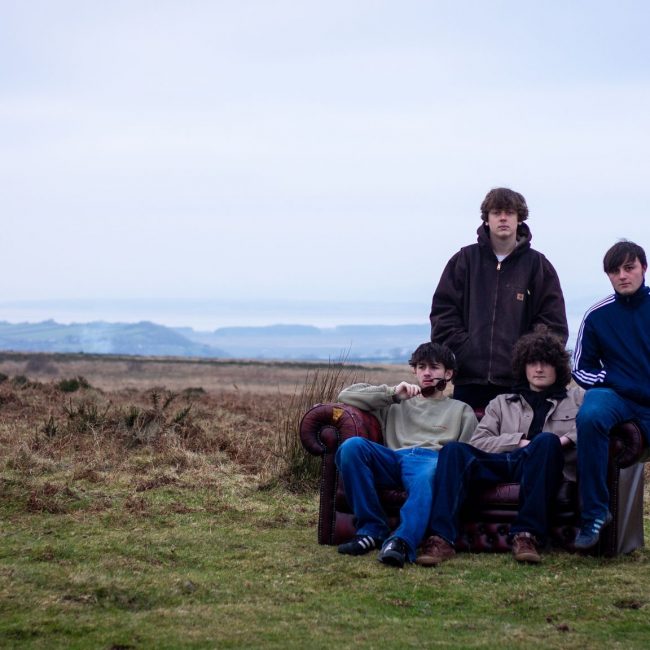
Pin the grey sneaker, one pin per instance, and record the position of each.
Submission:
(590, 532)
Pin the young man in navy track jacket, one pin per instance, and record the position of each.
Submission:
(612, 361)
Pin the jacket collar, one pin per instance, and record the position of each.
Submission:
(555, 392)
(636, 298)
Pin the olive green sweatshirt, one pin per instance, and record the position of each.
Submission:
(416, 422)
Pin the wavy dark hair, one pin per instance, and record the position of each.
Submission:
(503, 198)
(433, 353)
(541, 345)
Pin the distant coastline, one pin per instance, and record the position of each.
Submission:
(267, 329)
(371, 343)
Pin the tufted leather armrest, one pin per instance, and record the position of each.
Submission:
(325, 426)
(627, 445)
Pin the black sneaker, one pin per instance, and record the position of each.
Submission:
(590, 533)
(359, 545)
(394, 552)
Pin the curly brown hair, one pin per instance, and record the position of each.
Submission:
(503, 198)
(541, 345)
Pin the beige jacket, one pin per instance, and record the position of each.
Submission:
(508, 417)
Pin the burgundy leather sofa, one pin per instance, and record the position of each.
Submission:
(486, 518)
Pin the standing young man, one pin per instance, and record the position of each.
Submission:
(612, 361)
(417, 420)
(490, 294)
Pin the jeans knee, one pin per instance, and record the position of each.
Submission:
(599, 405)
(587, 414)
(452, 449)
(547, 443)
(547, 439)
(351, 450)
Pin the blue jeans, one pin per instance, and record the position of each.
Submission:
(537, 468)
(366, 466)
(602, 409)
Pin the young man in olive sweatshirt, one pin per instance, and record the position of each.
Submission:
(415, 428)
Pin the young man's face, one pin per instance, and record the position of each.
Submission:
(428, 374)
(628, 277)
(540, 375)
(503, 223)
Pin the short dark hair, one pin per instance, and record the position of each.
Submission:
(541, 345)
(503, 198)
(434, 353)
(621, 252)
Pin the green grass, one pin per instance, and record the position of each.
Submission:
(230, 565)
(197, 537)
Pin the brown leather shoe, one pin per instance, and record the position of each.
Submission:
(434, 551)
(524, 549)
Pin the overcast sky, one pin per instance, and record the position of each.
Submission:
(333, 150)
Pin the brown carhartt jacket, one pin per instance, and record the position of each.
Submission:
(482, 306)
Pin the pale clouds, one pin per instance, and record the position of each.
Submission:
(339, 150)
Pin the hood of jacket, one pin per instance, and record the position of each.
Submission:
(524, 237)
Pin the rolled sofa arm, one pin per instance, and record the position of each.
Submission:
(325, 426)
(627, 445)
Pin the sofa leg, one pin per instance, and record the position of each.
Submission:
(630, 509)
(626, 504)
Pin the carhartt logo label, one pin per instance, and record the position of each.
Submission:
(520, 296)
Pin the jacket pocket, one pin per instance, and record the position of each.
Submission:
(565, 415)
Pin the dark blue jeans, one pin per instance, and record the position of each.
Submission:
(366, 466)
(536, 467)
(602, 409)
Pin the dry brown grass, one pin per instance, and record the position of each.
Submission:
(150, 421)
(116, 373)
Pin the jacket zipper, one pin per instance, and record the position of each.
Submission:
(494, 311)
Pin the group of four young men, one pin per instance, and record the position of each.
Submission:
(499, 329)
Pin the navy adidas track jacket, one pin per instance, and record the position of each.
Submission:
(613, 346)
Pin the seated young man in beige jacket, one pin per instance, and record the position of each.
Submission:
(526, 437)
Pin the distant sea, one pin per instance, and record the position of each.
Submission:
(207, 315)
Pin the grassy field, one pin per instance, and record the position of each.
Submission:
(132, 517)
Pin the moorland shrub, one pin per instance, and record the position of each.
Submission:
(73, 385)
(298, 469)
